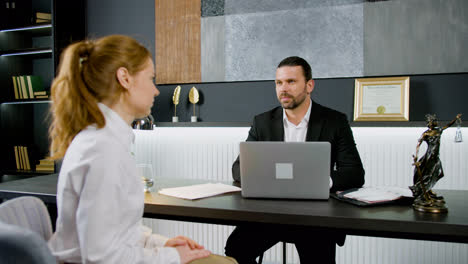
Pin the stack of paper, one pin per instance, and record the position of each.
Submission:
(199, 191)
(379, 194)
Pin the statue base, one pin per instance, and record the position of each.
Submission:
(435, 206)
(175, 119)
(194, 119)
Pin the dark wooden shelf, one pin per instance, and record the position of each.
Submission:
(30, 52)
(26, 101)
(38, 30)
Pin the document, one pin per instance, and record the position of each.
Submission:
(381, 99)
(199, 191)
(379, 194)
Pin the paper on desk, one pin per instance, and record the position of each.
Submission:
(379, 194)
(199, 191)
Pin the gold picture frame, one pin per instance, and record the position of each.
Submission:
(381, 99)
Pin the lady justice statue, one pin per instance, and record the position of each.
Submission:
(428, 169)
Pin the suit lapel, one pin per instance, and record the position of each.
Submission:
(277, 123)
(315, 123)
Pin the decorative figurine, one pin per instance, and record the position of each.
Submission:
(428, 169)
(175, 100)
(194, 98)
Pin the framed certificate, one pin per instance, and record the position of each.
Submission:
(381, 99)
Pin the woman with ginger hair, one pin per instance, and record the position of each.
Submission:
(101, 87)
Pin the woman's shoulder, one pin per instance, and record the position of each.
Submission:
(94, 140)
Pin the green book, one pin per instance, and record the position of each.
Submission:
(35, 85)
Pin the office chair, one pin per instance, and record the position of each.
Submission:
(260, 260)
(25, 228)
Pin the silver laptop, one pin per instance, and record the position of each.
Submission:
(291, 170)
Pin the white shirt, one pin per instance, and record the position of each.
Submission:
(100, 201)
(293, 133)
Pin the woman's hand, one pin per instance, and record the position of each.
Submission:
(187, 254)
(181, 241)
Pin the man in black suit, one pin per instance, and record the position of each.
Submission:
(299, 119)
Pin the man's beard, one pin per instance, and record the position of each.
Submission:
(294, 102)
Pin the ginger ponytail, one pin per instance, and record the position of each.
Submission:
(86, 76)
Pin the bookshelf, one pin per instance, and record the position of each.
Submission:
(30, 45)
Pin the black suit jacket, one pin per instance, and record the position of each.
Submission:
(325, 124)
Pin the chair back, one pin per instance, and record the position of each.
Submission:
(27, 212)
(20, 245)
(25, 228)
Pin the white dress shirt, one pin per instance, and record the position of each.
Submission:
(100, 201)
(293, 133)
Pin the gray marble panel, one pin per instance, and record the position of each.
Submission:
(255, 6)
(329, 38)
(212, 8)
(422, 36)
(212, 48)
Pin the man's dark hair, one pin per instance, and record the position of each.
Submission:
(298, 61)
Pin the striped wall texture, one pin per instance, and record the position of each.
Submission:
(208, 153)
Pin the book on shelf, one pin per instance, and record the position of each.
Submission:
(15, 87)
(18, 85)
(47, 162)
(28, 166)
(46, 165)
(44, 169)
(25, 158)
(43, 15)
(41, 21)
(35, 85)
(24, 88)
(29, 87)
(40, 93)
(22, 158)
(20, 89)
(18, 167)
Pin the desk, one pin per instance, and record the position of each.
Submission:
(43, 187)
(394, 221)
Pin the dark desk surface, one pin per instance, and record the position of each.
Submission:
(43, 187)
(397, 221)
